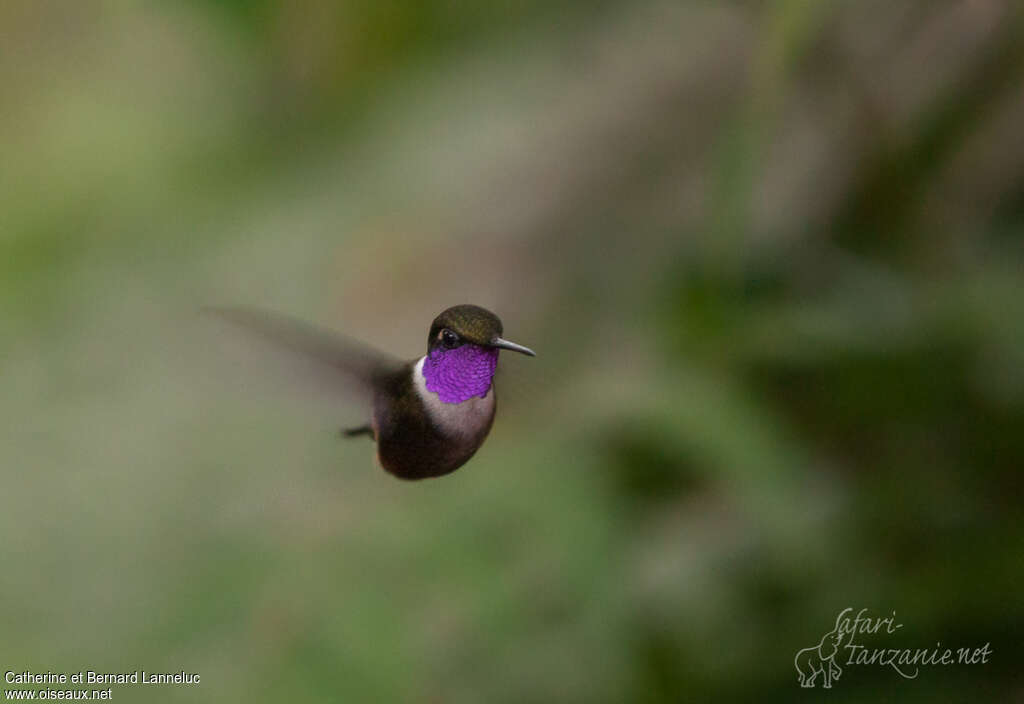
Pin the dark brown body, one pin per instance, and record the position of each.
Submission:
(410, 444)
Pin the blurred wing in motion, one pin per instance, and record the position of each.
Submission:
(329, 357)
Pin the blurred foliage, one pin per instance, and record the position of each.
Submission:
(770, 257)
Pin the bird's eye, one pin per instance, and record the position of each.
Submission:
(449, 339)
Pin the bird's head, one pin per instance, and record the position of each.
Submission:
(462, 352)
(469, 325)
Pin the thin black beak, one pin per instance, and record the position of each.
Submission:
(506, 345)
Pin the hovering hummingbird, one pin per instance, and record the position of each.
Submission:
(429, 415)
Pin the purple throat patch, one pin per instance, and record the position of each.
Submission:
(460, 374)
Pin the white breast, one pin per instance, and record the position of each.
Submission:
(467, 418)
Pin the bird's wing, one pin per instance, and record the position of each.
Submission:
(330, 354)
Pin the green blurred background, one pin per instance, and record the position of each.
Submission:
(769, 254)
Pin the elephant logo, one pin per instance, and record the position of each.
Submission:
(820, 659)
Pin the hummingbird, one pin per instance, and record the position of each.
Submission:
(428, 416)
